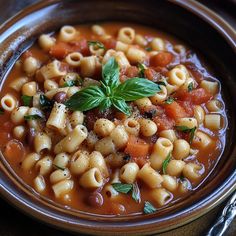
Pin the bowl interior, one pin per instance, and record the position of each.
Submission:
(169, 16)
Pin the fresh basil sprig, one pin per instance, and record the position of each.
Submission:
(112, 92)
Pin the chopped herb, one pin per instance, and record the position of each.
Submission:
(122, 188)
(165, 163)
(169, 100)
(162, 83)
(71, 83)
(148, 208)
(142, 69)
(96, 44)
(45, 103)
(1, 111)
(136, 193)
(149, 49)
(26, 100)
(58, 167)
(32, 117)
(188, 130)
(190, 87)
(127, 157)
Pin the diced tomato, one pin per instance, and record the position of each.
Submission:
(163, 122)
(81, 46)
(196, 96)
(194, 71)
(109, 43)
(60, 50)
(132, 71)
(188, 107)
(161, 59)
(152, 75)
(137, 148)
(140, 161)
(174, 110)
(14, 150)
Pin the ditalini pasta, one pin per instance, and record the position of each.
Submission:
(111, 119)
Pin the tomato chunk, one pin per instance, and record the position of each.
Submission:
(175, 111)
(161, 59)
(60, 50)
(188, 107)
(152, 75)
(163, 122)
(137, 147)
(132, 71)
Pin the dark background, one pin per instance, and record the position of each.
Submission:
(14, 223)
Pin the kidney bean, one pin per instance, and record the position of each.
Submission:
(95, 199)
(60, 97)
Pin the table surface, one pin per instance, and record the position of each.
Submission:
(14, 223)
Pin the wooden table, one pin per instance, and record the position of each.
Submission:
(14, 223)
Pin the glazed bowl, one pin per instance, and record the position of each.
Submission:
(187, 20)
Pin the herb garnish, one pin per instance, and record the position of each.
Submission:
(165, 163)
(190, 87)
(26, 100)
(148, 49)
(186, 129)
(161, 83)
(141, 68)
(1, 111)
(96, 44)
(148, 208)
(127, 188)
(33, 117)
(169, 100)
(71, 83)
(58, 167)
(45, 103)
(112, 92)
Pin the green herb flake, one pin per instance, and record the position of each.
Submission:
(96, 44)
(45, 103)
(141, 68)
(188, 130)
(190, 87)
(148, 208)
(71, 83)
(32, 117)
(26, 100)
(148, 49)
(165, 163)
(58, 167)
(161, 83)
(1, 111)
(136, 193)
(122, 188)
(169, 100)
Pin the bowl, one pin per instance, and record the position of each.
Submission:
(189, 21)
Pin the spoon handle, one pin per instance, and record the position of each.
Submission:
(224, 219)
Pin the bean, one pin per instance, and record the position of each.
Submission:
(95, 200)
(60, 97)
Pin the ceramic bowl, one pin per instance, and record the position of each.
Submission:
(187, 20)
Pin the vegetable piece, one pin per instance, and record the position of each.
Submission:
(161, 59)
(169, 100)
(141, 68)
(165, 163)
(45, 103)
(174, 110)
(122, 188)
(186, 129)
(60, 50)
(71, 83)
(96, 44)
(32, 117)
(136, 193)
(163, 122)
(190, 87)
(26, 100)
(137, 147)
(148, 208)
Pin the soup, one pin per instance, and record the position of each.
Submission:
(111, 119)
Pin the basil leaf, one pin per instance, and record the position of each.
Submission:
(121, 105)
(149, 49)
(190, 87)
(122, 188)
(165, 163)
(26, 100)
(45, 103)
(169, 100)
(86, 99)
(136, 88)
(148, 208)
(106, 103)
(136, 193)
(1, 111)
(96, 44)
(186, 129)
(111, 73)
(142, 69)
(58, 167)
(71, 83)
(32, 117)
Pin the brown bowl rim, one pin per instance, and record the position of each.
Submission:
(193, 212)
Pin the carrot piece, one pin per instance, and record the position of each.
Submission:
(161, 59)
(14, 150)
(175, 111)
(137, 147)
